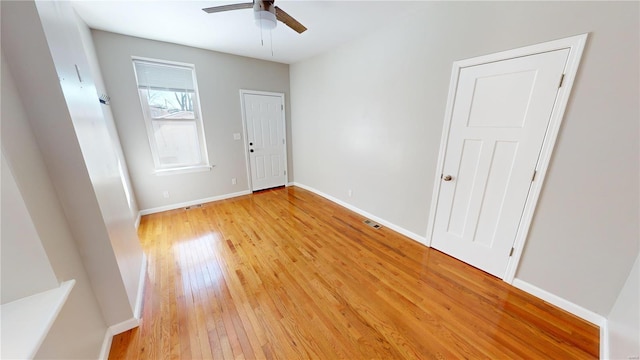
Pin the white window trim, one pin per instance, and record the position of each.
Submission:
(205, 165)
(183, 170)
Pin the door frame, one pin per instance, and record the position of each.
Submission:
(576, 45)
(245, 135)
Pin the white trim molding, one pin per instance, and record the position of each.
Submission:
(127, 324)
(137, 222)
(137, 311)
(576, 45)
(193, 202)
(106, 345)
(562, 303)
(604, 340)
(413, 236)
(113, 331)
(183, 170)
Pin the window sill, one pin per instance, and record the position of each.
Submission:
(183, 170)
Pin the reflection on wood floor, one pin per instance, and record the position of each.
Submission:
(286, 274)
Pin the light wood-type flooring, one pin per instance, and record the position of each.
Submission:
(286, 274)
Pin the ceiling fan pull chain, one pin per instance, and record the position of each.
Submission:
(261, 39)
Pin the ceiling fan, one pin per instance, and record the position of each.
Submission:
(265, 14)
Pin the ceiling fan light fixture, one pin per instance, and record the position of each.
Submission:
(265, 20)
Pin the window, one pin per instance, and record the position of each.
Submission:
(169, 98)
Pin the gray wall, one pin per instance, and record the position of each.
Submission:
(79, 330)
(220, 78)
(368, 117)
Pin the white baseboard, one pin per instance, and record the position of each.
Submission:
(383, 222)
(564, 304)
(113, 331)
(604, 340)
(193, 202)
(574, 309)
(106, 346)
(124, 326)
(137, 312)
(137, 223)
(127, 324)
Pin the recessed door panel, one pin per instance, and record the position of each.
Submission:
(495, 191)
(463, 187)
(492, 93)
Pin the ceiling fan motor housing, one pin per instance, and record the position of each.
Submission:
(265, 14)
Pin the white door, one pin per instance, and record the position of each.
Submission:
(265, 130)
(500, 115)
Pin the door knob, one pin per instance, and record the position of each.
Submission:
(447, 178)
(251, 150)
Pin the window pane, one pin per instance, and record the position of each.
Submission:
(177, 142)
(169, 104)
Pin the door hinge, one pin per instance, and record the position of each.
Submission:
(281, 107)
(282, 141)
(285, 172)
(441, 176)
(511, 252)
(561, 81)
(534, 175)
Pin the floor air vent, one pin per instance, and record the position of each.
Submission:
(193, 207)
(374, 225)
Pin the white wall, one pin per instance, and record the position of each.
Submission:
(79, 330)
(22, 252)
(624, 319)
(220, 77)
(368, 117)
(42, 46)
(92, 58)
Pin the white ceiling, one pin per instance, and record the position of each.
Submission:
(329, 23)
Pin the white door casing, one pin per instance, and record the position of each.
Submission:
(265, 138)
(503, 115)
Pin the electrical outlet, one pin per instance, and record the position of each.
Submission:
(236, 136)
(234, 181)
(349, 192)
(165, 194)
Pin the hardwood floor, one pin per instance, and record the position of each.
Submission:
(286, 274)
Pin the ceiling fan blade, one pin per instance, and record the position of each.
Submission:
(282, 16)
(216, 9)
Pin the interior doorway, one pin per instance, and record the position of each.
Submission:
(265, 138)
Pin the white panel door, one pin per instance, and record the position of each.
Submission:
(266, 140)
(500, 116)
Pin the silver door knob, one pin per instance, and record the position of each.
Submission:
(447, 178)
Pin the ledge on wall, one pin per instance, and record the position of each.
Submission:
(26, 321)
